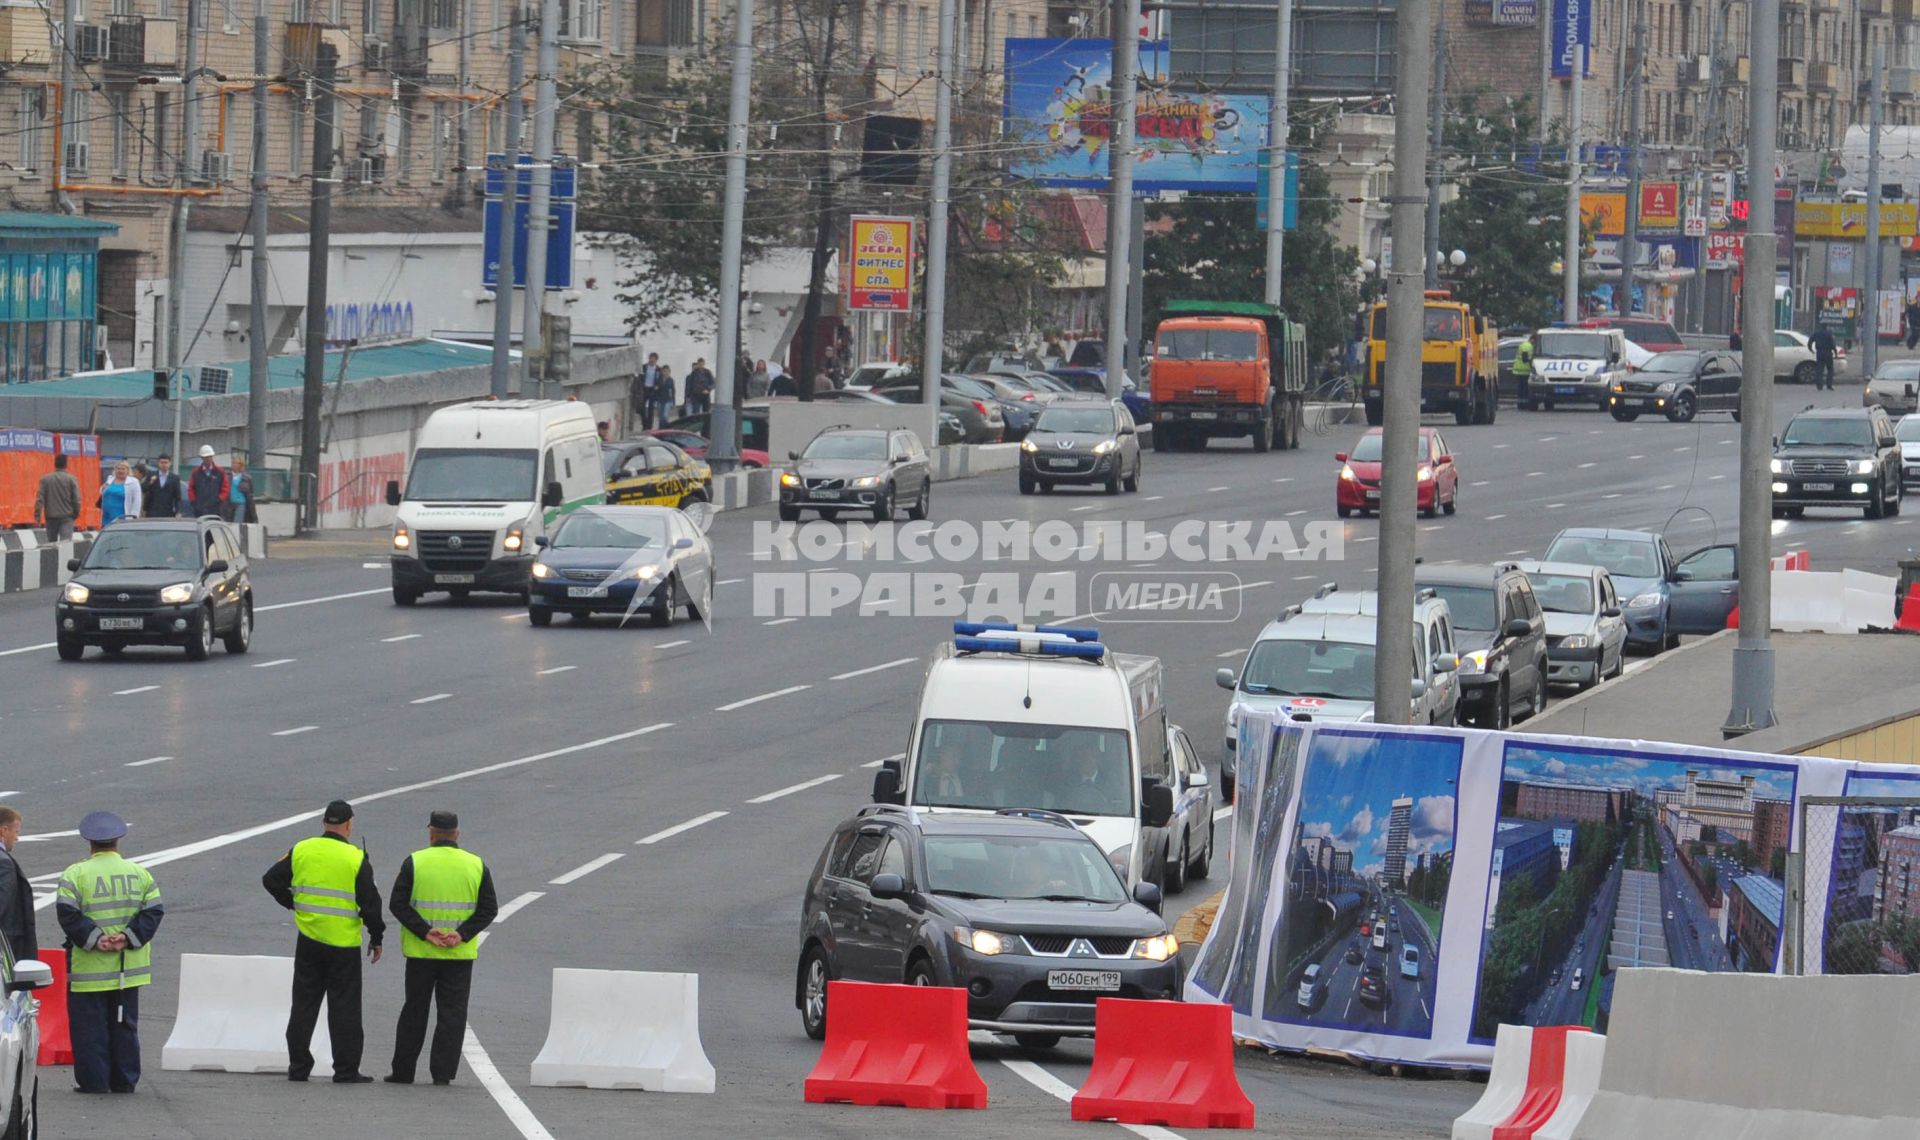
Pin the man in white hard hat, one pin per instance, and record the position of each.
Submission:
(207, 488)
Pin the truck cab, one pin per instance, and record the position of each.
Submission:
(1227, 370)
(1459, 361)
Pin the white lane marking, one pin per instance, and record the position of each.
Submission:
(26, 649)
(1611, 495)
(894, 664)
(744, 702)
(1494, 518)
(1478, 483)
(1684, 447)
(1284, 479)
(1664, 487)
(431, 699)
(1222, 813)
(1217, 490)
(375, 565)
(1555, 506)
(1636, 457)
(518, 1114)
(678, 828)
(1060, 1090)
(1303, 577)
(1434, 526)
(587, 868)
(1088, 507)
(1153, 498)
(46, 835)
(9, 792)
(406, 637)
(514, 907)
(1512, 553)
(729, 581)
(1726, 443)
(1366, 538)
(1535, 474)
(1584, 466)
(512, 617)
(275, 661)
(1231, 653)
(297, 731)
(792, 788)
(884, 760)
(1713, 477)
(147, 761)
(556, 669)
(130, 692)
(317, 601)
(779, 621)
(1501, 446)
(1292, 514)
(673, 644)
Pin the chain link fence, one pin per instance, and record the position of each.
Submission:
(1853, 890)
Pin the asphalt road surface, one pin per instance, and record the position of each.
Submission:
(653, 799)
(1559, 1003)
(1692, 936)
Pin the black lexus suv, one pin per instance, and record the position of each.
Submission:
(158, 582)
(1020, 908)
(1501, 636)
(1837, 457)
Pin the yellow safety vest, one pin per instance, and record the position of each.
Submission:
(446, 889)
(110, 890)
(325, 907)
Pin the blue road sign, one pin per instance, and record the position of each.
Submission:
(559, 246)
(1290, 219)
(564, 177)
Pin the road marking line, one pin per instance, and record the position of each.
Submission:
(1284, 479)
(1153, 498)
(375, 565)
(406, 637)
(26, 649)
(1478, 483)
(1303, 577)
(1501, 446)
(1494, 518)
(673, 644)
(1060, 1090)
(1088, 507)
(587, 868)
(431, 699)
(1664, 487)
(1222, 813)
(297, 731)
(779, 621)
(1535, 474)
(1684, 447)
(1367, 538)
(1217, 490)
(1713, 477)
(317, 601)
(518, 1114)
(1513, 553)
(740, 704)
(556, 669)
(729, 581)
(1584, 466)
(1555, 506)
(1636, 457)
(514, 907)
(130, 692)
(46, 835)
(275, 661)
(1301, 511)
(884, 760)
(1613, 495)
(678, 828)
(1232, 653)
(894, 664)
(512, 617)
(147, 761)
(792, 788)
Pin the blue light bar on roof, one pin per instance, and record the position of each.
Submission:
(977, 628)
(1091, 651)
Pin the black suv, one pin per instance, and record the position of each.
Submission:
(1837, 457)
(1020, 909)
(158, 582)
(866, 469)
(1501, 636)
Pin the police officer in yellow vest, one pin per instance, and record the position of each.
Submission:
(443, 898)
(109, 909)
(327, 883)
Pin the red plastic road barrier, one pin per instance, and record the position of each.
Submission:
(1910, 611)
(56, 1042)
(1163, 1062)
(1546, 1074)
(904, 1046)
(1733, 618)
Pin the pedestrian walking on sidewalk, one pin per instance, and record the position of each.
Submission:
(109, 909)
(443, 898)
(57, 500)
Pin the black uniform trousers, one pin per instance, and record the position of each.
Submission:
(105, 1030)
(446, 983)
(331, 973)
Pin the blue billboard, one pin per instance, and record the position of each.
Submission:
(1572, 32)
(1058, 118)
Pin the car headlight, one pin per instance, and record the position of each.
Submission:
(1666, 389)
(1029, 446)
(1644, 601)
(1778, 466)
(789, 479)
(1619, 387)
(1863, 467)
(514, 540)
(866, 481)
(985, 942)
(542, 570)
(1425, 474)
(401, 539)
(178, 594)
(1159, 948)
(1346, 473)
(647, 572)
(78, 594)
(1475, 662)
(1103, 447)
(1576, 641)
(1122, 860)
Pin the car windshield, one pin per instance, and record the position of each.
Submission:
(1472, 606)
(1335, 670)
(1899, 370)
(968, 386)
(846, 447)
(1083, 382)
(128, 548)
(1824, 431)
(1444, 324)
(1650, 332)
(1678, 362)
(1076, 420)
(471, 475)
(1622, 558)
(1368, 449)
(1207, 344)
(990, 765)
(1563, 593)
(1021, 867)
(623, 532)
(1573, 346)
(1908, 430)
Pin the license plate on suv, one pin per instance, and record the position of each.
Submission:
(1816, 486)
(453, 579)
(826, 494)
(122, 623)
(1103, 981)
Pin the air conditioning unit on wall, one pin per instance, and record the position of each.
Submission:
(76, 158)
(216, 166)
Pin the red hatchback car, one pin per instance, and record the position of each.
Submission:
(1358, 488)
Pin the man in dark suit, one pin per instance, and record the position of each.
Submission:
(166, 497)
(16, 893)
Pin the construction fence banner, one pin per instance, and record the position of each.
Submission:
(1398, 893)
(880, 264)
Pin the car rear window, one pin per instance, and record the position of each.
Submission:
(1651, 333)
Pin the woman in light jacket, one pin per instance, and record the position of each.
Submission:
(119, 496)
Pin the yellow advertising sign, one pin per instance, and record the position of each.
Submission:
(1603, 214)
(880, 257)
(1847, 221)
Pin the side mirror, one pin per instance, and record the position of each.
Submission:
(1519, 627)
(1680, 575)
(793, 455)
(886, 785)
(1446, 662)
(1445, 461)
(541, 541)
(1225, 678)
(1148, 895)
(1419, 688)
(1126, 429)
(1610, 612)
(30, 974)
(393, 492)
(217, 566)
(554, 496)
(1339, 457)
(73, 564)
(896, 460)
(1197, 780)
(683, 544)
(887, 885)
(1156, 808)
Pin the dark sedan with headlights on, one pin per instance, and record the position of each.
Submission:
(158, 582)
(1081, 441)
(624, 561)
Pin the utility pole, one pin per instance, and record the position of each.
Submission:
(1126, 67)
(1630, 244)
(68, 14)
(177, 237)
(1575, 246)
(723, 449)
(1280, 135)
(257, 267)
(540, 197)
(503, 381)
(462, 195)
(940, 201)
(1870, 346)
(319, 225)
(1406, 315)
(1753, 655)
(1543, 15)
(1432, 248)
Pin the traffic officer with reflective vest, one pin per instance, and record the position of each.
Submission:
(443, 898)
(327, 883)
(109, 909)
(1523, 367)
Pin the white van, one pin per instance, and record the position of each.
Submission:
(1044, 719)
(486, 480)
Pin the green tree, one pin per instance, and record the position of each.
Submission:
(1777, 866)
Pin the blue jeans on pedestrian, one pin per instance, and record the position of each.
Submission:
(661, 410)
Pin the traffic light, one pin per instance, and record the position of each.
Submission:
(162, 384)
(557, 343)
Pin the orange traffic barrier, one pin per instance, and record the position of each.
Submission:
(904, 1046)
(1910, 611)
(1168, 1063)
(56, 1040)
(83, 460)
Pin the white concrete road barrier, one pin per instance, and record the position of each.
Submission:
(624, 1029)
(1506, 1084)
(1538, 1075)
(1757, 1057)
(29, 562)
(233, 1017)
(1586, 1054)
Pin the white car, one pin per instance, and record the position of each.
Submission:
(20, 1041)
(1410, 961)
(1793, 357)
(1309, 987)
(1895, 386)
(877, 373)
(1907, 431)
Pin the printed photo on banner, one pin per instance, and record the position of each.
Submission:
(1368, 864)
(1604, 858)
(1873, 895)
(1211, 971)
(1276, 791)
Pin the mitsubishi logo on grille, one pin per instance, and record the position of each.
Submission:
(1066, 445)
(1081, 948)
(455, 542)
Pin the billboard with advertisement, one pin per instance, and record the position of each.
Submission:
(1572, 36)
(1603, 213)
(1660, 206)
(1838, 312)
(1058, 120)
(1501, 13)
(1725, 249)
(880, 264)
(1848, 220)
